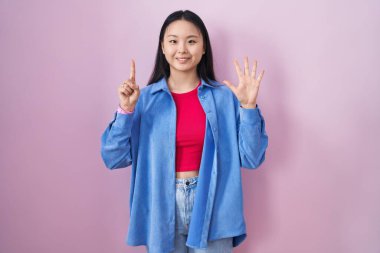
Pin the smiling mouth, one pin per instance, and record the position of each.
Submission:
(182, 59)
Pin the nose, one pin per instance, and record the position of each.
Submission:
(182, 48)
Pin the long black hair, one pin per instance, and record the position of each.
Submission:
(205, 68)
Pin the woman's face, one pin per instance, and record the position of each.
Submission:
(182, 46)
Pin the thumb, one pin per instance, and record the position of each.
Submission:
(229, 85)
(135, 86)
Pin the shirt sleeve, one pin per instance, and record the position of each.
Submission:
(253, 139)
(116, 141)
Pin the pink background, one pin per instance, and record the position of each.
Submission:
(61, 63)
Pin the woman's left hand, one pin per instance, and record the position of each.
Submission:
(248, 87)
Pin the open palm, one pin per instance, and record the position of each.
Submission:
(248, 88)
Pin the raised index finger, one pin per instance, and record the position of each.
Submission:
(133, 71)
(238, 69)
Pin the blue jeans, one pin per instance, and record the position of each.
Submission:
(185, 194)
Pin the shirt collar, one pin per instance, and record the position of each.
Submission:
(162, 85)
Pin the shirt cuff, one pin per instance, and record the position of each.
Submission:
(250, 115)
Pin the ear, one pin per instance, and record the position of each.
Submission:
(162, 48)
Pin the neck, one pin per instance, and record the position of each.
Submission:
(182, 81)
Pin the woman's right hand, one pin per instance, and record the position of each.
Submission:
(129, 91)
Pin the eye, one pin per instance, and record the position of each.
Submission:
(172, 41)
(192, 41)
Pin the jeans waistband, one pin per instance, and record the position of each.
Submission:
(186, 181)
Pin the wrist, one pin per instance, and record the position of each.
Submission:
(126, 108)
(249, 106)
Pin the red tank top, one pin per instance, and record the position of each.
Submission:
(191, 125)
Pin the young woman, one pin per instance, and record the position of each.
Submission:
(186, 136)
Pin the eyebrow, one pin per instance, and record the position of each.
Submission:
(187, 36)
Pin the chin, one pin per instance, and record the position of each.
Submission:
(184, 69)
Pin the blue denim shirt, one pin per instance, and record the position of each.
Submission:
(235, 137)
